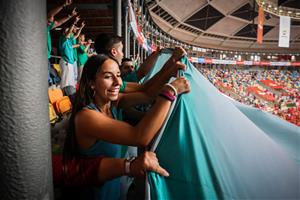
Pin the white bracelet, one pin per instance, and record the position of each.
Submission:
(173, 88)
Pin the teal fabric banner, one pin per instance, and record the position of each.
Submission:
(215, 148)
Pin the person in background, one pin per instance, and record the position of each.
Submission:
(127, 68)
(53, 23)
(76, 45)
(112, 46)
(83, 53)
(106, 44)
(68, 81)
(131, 72)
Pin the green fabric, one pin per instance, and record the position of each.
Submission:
(74, 42)
(131, 77)
(82, 55)
(123, 86)
(66, 49)
(49, 42)
(212, 150)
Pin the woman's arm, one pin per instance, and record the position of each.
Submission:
(51, 14)
(137, 168)
(92, 171)
(97, 125)
(147, 65)
(70, 31)
(79, 31)
(152, 86)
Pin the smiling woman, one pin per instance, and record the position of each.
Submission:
(96, 129)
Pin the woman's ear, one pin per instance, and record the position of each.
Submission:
(92, 85)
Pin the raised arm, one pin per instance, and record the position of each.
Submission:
(100, 126)
(61, 21)
(79, 31)
(70, 31)
(147, 65)
(51, 14)
(152, 86)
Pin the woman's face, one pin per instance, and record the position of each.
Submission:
(108, 81)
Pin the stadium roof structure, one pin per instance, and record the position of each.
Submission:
(222, 24)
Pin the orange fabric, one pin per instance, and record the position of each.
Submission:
(63, 105)
(55, 94)
(260, 93)
(272, 84)
(260, 25)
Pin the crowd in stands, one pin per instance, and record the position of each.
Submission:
(274, 91)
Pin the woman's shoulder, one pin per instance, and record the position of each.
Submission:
(86, 114)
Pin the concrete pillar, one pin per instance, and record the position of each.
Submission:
(25, 156)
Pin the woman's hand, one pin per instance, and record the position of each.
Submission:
(178, 53)
(67, 3)
(74, 12)
(177, 66)
(77, 19)
(182, 85)
(146, 162)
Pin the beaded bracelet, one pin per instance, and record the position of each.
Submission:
(167, 96)
(173, 88)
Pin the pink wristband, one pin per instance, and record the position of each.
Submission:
(167, 96)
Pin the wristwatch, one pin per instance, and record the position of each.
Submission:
(127, 164)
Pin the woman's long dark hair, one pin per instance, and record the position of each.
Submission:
(83, 97)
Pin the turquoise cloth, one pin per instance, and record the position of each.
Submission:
(131, 77)
(110, 189)
(82, 55)
(215, 148)
(49, 41)
(66, 49)
(74, 42)
(123, 86)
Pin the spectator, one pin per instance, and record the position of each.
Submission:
(52, 23)
(95, 128)
(68, 76)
